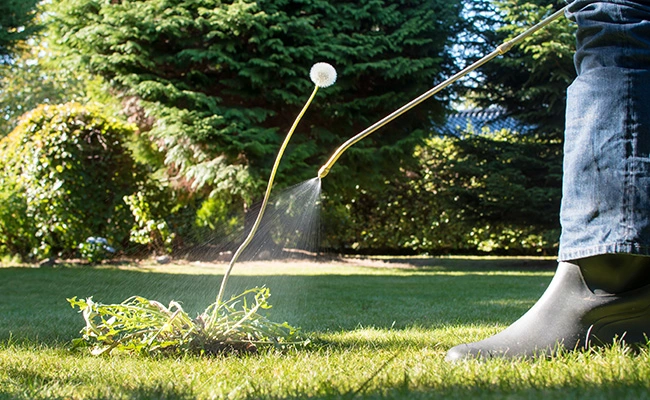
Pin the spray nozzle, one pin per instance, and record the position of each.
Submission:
(323, 171)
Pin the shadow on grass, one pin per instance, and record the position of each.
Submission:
(564, 392)
(480, 387)
(33, 382)
(460, 264)
(592, 391)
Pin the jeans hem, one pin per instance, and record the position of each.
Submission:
(611, 248)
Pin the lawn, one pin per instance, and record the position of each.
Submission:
(379, 329)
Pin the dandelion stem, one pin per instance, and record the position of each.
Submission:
(266, 198)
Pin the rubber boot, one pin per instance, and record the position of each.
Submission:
(590, 302)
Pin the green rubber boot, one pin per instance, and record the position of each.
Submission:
(588, 303)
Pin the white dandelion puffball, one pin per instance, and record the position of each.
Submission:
(322, 74)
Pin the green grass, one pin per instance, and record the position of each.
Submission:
(379, 332)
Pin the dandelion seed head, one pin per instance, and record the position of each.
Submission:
(322, 74)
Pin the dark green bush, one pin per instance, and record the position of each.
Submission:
(488, 192)
(66, 170)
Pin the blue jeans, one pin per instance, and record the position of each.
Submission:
(606, 183)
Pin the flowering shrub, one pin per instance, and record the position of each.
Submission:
(95, 249)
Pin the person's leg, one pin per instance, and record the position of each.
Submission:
(601, 289)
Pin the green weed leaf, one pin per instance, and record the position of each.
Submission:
(140, 325)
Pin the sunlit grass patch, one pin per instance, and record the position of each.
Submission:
(379, 334)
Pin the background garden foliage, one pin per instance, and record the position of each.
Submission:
(531, 81)
(64, 171)
(480, 192)
(210, 87)
(16, 23)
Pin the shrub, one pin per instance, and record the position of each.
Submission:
(495, 192)
(148, 230)
(16, 232)
(95, 249)
(68, 170)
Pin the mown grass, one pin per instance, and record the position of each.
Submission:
(378, 332)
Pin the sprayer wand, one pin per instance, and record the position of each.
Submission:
(501, 49)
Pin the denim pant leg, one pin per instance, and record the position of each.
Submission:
(606, 183)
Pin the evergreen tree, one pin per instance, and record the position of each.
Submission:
(37, 75)
(530, 80)
(16, 24)
(221, 81)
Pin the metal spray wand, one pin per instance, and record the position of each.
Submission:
(501, 49)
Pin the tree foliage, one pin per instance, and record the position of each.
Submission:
(481, 192)
(223, 80)
(530, 80)
(16, 24)
(66, 171)
(39, 75)
(214, 85)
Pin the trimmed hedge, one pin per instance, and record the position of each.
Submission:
(64, 171)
